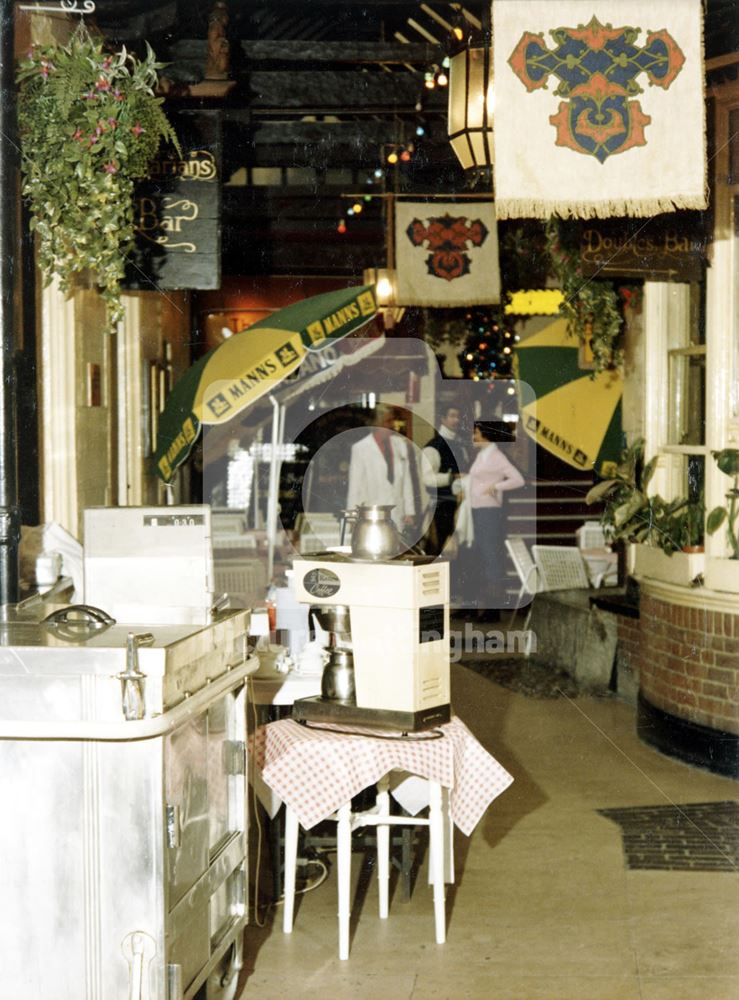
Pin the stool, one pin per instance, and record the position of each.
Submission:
(380, 817)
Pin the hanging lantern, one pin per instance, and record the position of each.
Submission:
(471, 107)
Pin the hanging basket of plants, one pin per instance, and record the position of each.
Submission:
(593, 309)
(90, 125)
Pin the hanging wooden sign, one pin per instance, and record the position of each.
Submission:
(178, 211)
(665, 248)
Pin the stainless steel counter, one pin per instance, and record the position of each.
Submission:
(122, 778)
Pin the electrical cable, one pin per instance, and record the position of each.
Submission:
(321, 878)
(430, 734)
(255, 805)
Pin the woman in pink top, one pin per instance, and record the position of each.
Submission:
(491, 476)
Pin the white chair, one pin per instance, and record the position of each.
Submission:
(562, 567)
(528, 574)
(601, 563)
(380, 817)
(524, 565)
(590, 535)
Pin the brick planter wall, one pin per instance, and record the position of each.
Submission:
(687, 661)
(627, 650)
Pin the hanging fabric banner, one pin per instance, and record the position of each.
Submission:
(446, 254)
(599, 107)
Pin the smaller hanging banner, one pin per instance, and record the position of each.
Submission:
(446, 254)
(599, 107)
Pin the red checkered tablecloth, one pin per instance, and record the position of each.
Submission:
(316, 770)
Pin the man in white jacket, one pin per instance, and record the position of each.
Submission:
(379, 471)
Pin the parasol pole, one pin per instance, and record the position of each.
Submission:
(277, 429)
(9, 252)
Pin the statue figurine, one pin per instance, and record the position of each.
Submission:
(217, 62)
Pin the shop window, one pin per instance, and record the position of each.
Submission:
(677, 387)
(687, 375)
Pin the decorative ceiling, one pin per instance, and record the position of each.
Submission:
(320, 91)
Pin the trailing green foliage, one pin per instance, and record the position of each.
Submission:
(591, 306)
(728, 462)
(89, 125)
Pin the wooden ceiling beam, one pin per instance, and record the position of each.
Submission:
(339, 91)
(313, 52)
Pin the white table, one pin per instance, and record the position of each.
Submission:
(273, 688)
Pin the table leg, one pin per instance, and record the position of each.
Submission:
(436, 859)
(275, 828)
(448, 836)
(291, 857)
(406, 860)
(383, 845)
(344, 865)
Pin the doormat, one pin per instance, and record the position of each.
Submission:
(701, 836)
(529, 677)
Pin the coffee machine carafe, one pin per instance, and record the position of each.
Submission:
(337, 680)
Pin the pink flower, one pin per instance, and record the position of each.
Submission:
(107, 62)
(102, 84)
(117, 95)
(112, 122)
(78, 134)
(111, 168)
(137, 129)
(89, 96)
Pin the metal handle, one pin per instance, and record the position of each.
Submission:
(132, 690)
(347, 517)
(138, 949)
(87, 615)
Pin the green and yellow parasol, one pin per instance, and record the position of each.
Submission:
(577, 412)
(251, 364)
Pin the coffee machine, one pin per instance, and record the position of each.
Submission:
(393, 615)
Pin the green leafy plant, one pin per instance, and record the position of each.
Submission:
(89, 125)
(591, 306)
(691, 524)
(728, 462)
(631, 515)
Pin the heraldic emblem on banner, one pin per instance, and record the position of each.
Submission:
(611, 107)
(446, 254)
(598, 68)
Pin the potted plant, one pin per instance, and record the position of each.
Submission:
(728, 462)
(690, 526)
(723, 574)
(90, 125)
(656, 526)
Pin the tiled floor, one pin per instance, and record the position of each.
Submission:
(544, 905)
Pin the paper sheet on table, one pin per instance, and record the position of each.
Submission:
(409, 791)
(58, 539)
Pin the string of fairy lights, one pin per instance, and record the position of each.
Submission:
(395, 154)
(487, 354)
(488, 351)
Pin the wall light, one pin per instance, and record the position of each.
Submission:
(384, 280)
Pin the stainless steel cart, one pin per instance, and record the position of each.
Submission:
(123, 790)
